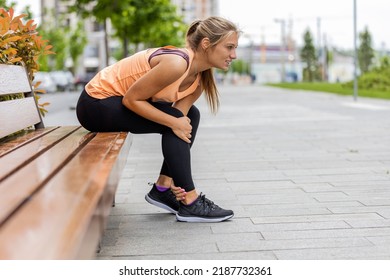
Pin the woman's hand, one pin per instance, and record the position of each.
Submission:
(182, 129)
(179, 193)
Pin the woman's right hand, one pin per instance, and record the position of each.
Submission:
(182, 129)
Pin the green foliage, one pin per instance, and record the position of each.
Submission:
(241, 67)
(166, 28)
(67, 43)
(4, 5)
(365, 51)
(378, 79)
(20, 44)
(336, 88)
(78, 40)
(309, 58)
(150, 23)
(59, 40)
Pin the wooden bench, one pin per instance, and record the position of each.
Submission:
(57, 184)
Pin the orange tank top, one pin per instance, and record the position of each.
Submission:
(116, 79)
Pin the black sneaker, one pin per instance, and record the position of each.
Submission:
(165, 200)
(203, 210)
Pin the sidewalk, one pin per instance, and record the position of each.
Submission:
(307, 175)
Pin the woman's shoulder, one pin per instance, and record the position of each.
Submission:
(174, 60)
(171, 53)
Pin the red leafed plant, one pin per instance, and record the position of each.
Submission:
(20, 44)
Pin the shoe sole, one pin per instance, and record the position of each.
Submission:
(191, 219)
(159, 204)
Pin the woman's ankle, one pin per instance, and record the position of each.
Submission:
(164, 181)
(190, 197)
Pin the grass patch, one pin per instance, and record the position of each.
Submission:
(335, 88)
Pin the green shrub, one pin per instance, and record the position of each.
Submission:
(20, 44)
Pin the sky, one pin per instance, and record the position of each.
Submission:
(336, 25)
(330, 22)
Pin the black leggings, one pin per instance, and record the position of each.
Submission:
(109, 114)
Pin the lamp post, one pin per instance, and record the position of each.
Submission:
(355, 84)
(283, 48)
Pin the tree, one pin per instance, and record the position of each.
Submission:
(308, 56)
(365, 51)
(241, 67)
(78, 41)
(68, 42)
(58, 38)
(152, 22)
(3, 4)
(101, 10)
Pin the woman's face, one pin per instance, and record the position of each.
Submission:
(222, 54)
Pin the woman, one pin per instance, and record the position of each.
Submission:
(153, 91)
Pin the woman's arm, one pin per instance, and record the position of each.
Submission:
(185, 104)
(165, 71)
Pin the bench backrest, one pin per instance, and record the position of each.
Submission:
(17, 114)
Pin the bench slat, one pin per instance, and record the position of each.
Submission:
(14, 190)
(23, 138)
(13, 79)
(11, 121)
(56, 218)
(15, 160)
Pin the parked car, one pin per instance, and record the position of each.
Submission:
(81, 80)
(64, 80)
(47, 82)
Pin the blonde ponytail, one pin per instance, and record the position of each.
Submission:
(215, 29)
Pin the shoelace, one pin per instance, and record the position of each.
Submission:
(207, 202)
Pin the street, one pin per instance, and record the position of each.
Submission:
(61, 108)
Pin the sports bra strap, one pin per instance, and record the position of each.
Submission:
(164, 50)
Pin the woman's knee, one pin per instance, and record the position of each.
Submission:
(168, 109)
(194, 115)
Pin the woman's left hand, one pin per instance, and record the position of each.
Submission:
(180, 193)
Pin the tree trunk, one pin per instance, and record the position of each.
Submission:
(107, 50)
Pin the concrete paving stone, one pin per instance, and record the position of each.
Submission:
(326, 233)
(316, 218)
(338, 178)
(369, 223)
(264, 192)
(351, 253)
(261, 186)
(362, 184)
(380, 240)
(336, 163)
(172, 228)
(285, 197)
(355, 177)
(369, 192)
(270, 175)
(246, 225)
(317, 187)
(154, 243)
(157, 246)
(332, 196)
(258, 210)
(262, 255)
(267, 245)
(314, 204)
(384, 213)
(359, 209)
(330, 171)
(377, 201)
